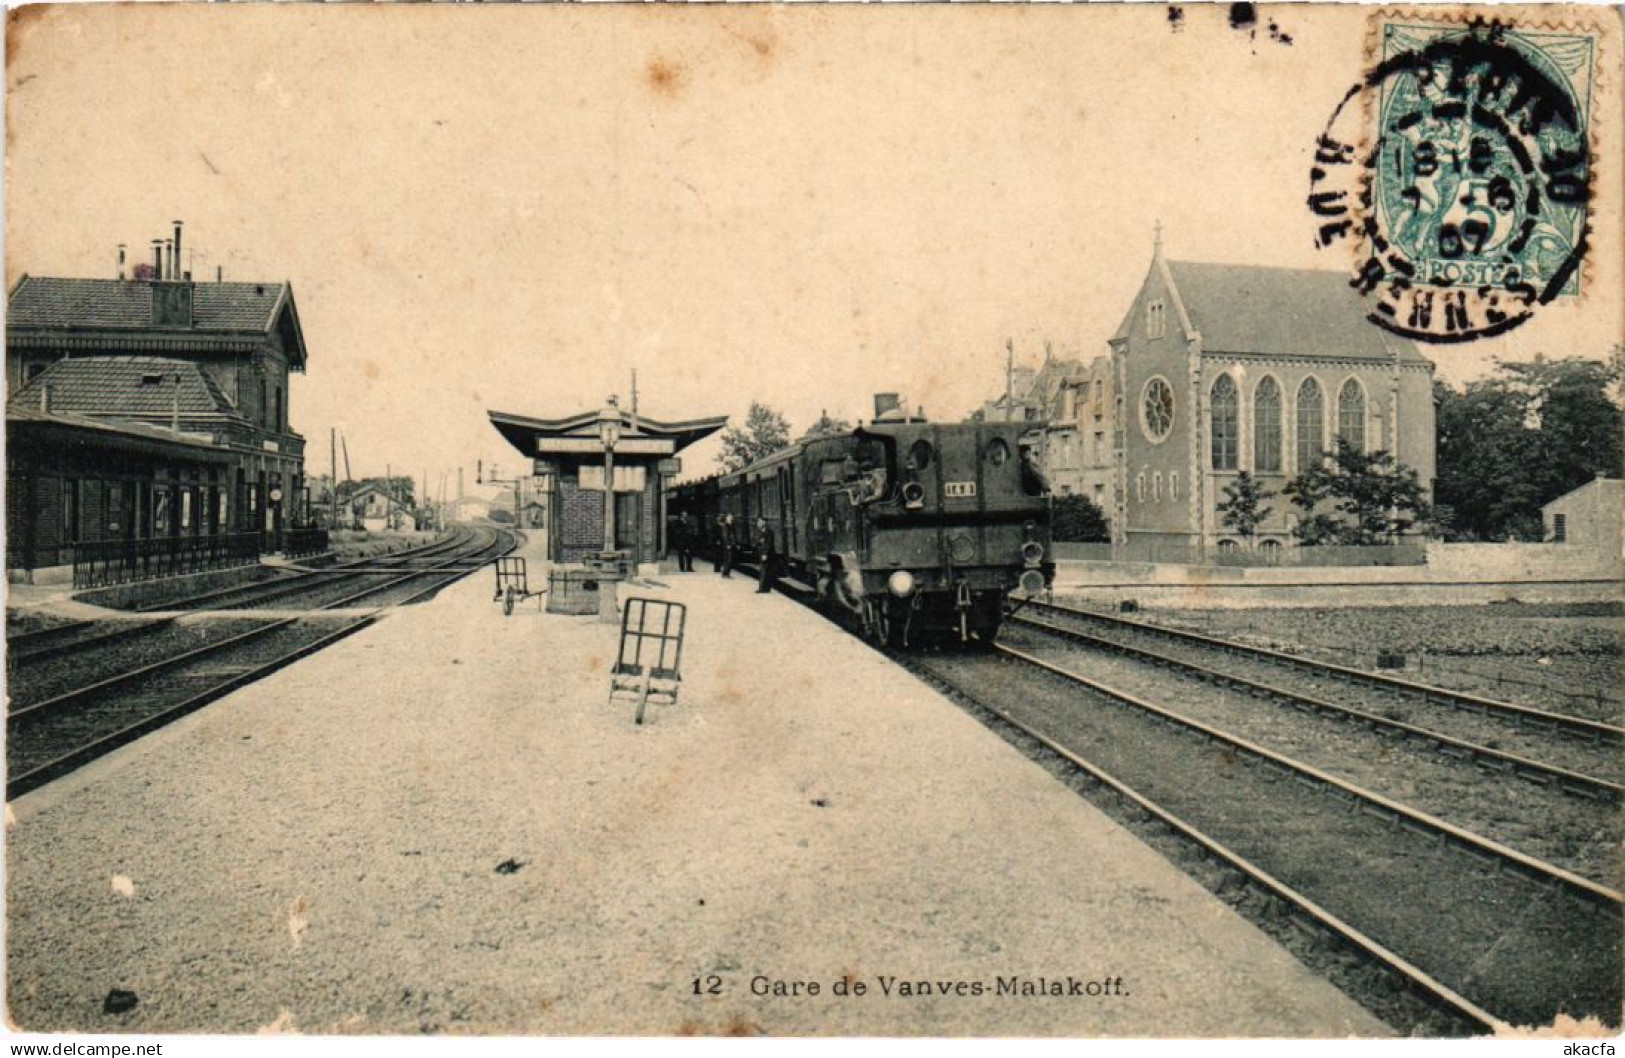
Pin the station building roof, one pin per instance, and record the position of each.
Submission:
(52, 309)
(124, 387)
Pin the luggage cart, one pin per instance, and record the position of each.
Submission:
(648, 666)
(513, 584)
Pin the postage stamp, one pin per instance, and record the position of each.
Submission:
(1460, 170)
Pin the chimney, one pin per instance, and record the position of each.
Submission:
(178, 257)
(157, 259)
(121, 260)
(169, 255)
(219, 273)
(886, 404)
(45, 398)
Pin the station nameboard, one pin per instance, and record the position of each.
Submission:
(632, 446)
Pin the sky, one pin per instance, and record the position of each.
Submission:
(512, 208)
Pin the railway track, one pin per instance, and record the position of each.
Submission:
(30, 647)
(1485, 934)
(50, 735)
(304, 590)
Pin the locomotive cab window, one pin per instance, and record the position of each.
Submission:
(998, 452)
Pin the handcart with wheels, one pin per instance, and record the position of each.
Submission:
(513, 584)
(648, 666)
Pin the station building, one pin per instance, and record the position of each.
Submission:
(566, 456)
(149, 408)
(1220, 368)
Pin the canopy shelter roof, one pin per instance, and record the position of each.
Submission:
(639, 435)
(62, 429)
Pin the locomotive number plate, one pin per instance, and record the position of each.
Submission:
(959, 489)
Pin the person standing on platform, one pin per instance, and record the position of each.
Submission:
(764, 556)
(685, 543)
(725, 540)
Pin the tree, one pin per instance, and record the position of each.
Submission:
(1242, 510)
(1078, 519)
(1511, 443)
(1373, 497)
(765, 432)
(828, 427)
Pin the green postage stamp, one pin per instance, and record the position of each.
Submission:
(1460, 167)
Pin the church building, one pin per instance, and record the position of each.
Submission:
(1220, 368)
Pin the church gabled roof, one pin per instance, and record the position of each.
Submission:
(1259, 311)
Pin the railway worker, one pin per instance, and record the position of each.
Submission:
(725, 542)
(684, 534)
(764, 556)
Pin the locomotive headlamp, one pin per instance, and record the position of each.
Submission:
(1032, 582)
(901, 583)
(914, 495)
(1032, 552)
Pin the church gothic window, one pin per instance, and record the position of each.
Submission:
(1267, 427)
(1351, 414)
(1224, 423)
(1311, 424)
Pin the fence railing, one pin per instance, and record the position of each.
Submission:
(1178, 553)
(298, 542)
(104, 562)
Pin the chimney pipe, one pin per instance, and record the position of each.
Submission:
(219, 273)
(169, 254)
(178, 257)
(45, 398)
(157, 258)
(121, 260)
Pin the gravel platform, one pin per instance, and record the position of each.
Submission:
(439, 825)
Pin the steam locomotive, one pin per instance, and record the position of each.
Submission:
(914, 531)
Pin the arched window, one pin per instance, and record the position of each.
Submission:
(1139, 487)
(1224, 423)
(1351, 414)
(1311, 423)
(1156, 487)
(1267, 427)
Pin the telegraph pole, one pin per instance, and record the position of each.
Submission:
(1009, 379)
(333, 477)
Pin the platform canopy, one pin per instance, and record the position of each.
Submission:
(578, 435)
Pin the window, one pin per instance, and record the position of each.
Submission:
(1351, 414)
(1100, 493)
(1100, 447)
(186, 510)
(1267, 427)
(1224, 423)
(1157, 409)
(1173, 485)
(276, 418)
(1311, 424)
(1155, 320)
(1100, 398)
(1227, 545)
(1139, 487)
(70, 511)
(1560, 528)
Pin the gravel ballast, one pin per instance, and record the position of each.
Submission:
(440, 825)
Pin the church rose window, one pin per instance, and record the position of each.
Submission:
(1311, 419)
(1267, 427)
(1157, 409)
(1224, 423)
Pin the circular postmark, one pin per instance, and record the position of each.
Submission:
(1459, 172)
